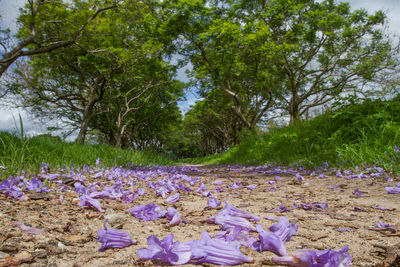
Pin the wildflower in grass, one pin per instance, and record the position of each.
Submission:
(309, 257)
(173, 198)
(396, 149)
(113, 238)
(2, 167)
(213, 202)
(149, 212)
(166, 250)
(216, 251)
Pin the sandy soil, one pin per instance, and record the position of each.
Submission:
(70, 231)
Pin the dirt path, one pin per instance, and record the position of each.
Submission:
(68, 231)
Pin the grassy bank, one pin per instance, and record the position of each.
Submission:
(367, 133)
(28, 153)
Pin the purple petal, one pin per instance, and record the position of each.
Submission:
(113, 238)
(213, 202)
(269, 241)
(87, 201)
(283, 229)
(393, 190)
(215, 251)
(149, 212)
(166, 250)
(173, 198)
(173, 216)
(312, 258)
(27, 229)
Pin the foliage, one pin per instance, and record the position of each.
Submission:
(29, 153)
(352, 135)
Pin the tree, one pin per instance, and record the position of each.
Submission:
(47, 25)
(227, 52)
(72, 82)
(323, 48)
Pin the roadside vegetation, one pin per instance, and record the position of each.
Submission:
(359, 134)
(28, 154)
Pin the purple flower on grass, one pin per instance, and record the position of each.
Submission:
(213, 202)
(313, 258)
(166, 250)
(149, 212)
(396, 149)
(87, 201)
(173, 198)
(113, 238)
(216, 251)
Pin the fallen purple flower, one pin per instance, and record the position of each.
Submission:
(113, 238)
(392, 228)
(87, 201)
(149, 212)
(237, 237)
(213, 202)
(393, 190)
(27, 229)
(174, 217)
(357, 192)
(216, 251)
(275, 240)
(343, 229)
(166, 250)
(251, 187)
(173, 198)
(231, 210)
(313, 258)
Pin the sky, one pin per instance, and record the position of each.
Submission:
(9, 117)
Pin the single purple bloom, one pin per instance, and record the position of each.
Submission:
(313, 258)
(162, 191)
(217, 182)
(87, 201)
(237, 237)
(343, 229)
(392, 228)
(213, 202)
(173, 198)
(216, 251)
(233, 211)
(27, 229)
(393, 190)
(357, 192)
(113, 238)
(174, 217)
(299, 177)
(149, 212)
(166, 250)
(251, 187)
(396, 149)
(275, 240)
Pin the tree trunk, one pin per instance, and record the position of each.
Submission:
(87, 117)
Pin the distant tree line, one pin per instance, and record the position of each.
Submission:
(104, 67)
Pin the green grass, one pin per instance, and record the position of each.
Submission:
(28, 154)
(362, 134)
